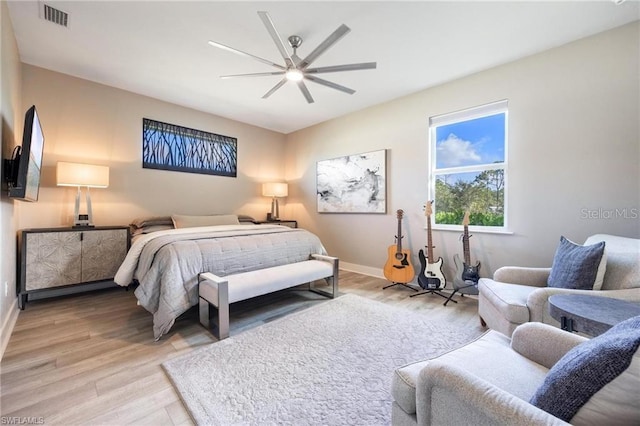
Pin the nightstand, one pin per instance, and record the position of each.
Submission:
(57, 261)
(283, 222)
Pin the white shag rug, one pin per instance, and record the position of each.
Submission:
(330, 364)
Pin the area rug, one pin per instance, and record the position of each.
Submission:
(330, 364)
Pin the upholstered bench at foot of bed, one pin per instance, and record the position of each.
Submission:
(222, 291)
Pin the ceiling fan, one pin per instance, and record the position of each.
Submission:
(296, 69)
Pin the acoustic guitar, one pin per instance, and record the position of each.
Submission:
(431, 276)
(465, 271)
(398, 268)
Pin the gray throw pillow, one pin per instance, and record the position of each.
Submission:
(575, 266)
(586, 369)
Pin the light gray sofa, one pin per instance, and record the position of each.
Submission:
(517, 295)
(486, 382)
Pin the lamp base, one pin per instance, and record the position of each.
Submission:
(83, 226)
(84, 220)
(275, 209)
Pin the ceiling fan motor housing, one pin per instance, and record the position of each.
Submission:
(295, 41)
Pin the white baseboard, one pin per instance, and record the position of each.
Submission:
(368, 270)
(8, 325)
(378, 273)
(360, 269)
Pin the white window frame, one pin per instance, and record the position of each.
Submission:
(499, 107)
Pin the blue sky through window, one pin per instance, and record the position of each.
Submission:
(471, 142)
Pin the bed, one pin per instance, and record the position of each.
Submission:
(166, 261)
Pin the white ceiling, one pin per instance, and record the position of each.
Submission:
(159, 48)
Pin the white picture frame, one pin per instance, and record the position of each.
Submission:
(353, 183)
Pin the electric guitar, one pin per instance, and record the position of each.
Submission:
(431, 276)
(398, 268)
(465, 271)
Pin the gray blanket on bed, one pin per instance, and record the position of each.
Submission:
(168, 266)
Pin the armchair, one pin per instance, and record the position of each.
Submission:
(517, 295)
(491, 380)
(488, 381)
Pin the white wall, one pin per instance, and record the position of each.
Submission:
(10, 132)
(88, 122)
(574, 144)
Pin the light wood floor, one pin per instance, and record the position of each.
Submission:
(91, 358)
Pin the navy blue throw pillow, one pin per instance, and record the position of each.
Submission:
(575, 266)
(586, 369)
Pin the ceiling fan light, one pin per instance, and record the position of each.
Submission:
(294, 75)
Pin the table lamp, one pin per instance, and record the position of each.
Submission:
(87, 175)
(275, 190)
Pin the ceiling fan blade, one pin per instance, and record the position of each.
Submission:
(274, 88)
(241, 53)
(257, 74)
(326, 44)
(338, 68)
(330, 84)
(266, 20)
(305, 92)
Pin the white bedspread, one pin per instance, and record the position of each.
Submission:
(167, 263)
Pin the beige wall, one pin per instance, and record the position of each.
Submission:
(10, 132)
(88, 122)
(574, 144)
(93, 123)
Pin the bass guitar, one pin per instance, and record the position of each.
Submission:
(465, 271)
(398, 268)
(430, 276)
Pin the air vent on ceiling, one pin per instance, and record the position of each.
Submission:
(54, 15)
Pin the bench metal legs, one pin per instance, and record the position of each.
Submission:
(214, 319)
(334, 278)
(217, 324)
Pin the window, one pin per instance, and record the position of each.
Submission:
(468, 166)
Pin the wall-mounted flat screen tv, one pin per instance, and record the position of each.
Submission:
(26, 164)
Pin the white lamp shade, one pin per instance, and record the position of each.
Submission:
(275, 189)
(77, 174)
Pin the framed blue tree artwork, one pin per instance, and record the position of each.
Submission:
(171, 147)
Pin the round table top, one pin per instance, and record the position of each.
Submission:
(592, 315)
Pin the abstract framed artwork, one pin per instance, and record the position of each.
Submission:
(353, 183)
(171, 147)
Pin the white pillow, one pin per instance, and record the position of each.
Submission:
(616, 403)
(182, 221)
(602, 268)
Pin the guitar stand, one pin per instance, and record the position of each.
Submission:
(461, 294)
(431, 292)
(402, 284)
(449, 299)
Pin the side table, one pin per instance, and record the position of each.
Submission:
(283, 222)
(591, 315)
